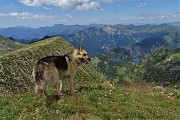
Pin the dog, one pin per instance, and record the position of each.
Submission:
(51, 71)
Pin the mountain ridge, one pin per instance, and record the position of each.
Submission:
(101, 40)
(27, 33)
(7, 45)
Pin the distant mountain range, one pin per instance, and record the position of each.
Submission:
(174, 23)
(169, 40)
(25, 33)
(137, 40)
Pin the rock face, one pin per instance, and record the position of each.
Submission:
(16, 66)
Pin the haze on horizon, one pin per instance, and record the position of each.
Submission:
(40, 13)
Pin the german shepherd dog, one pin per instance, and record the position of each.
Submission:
(53, 70)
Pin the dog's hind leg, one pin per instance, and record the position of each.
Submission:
(40, 88)
(57, 85)
(57, 90)
(38, 79)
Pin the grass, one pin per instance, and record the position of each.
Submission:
(7, 45)
(30, 46)
(95, 102)
(95, 98)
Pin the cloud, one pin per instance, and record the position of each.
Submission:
(64, 4)
(141, 5)
(61, 21)
(27, 15)
(125, 18)
(108, 1)
(107, 19)
(69, 16)
(48, 8)
(174, 15)
(152, 16)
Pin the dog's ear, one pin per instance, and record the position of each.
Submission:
(81, 48)
(78, 51)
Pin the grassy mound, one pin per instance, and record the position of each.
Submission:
(16, 66)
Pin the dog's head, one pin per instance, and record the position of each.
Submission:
(82, 55)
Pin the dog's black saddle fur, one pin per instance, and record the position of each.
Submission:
(59, 61)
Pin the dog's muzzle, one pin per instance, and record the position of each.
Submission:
(86, 61)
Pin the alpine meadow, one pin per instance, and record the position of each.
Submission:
(89, 60)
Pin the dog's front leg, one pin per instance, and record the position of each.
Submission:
(70, 82)
(62, 85)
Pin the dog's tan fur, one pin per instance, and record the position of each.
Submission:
(52, 70)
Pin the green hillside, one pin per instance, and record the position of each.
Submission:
(16, 66)
(7, 45)
(162, 66)
(95, 99)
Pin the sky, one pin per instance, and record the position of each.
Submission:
(40, 13)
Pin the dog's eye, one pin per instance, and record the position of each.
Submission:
(84, 54)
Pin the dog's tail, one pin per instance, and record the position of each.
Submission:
(37, 74)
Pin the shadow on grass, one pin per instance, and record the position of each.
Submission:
(88, 88)
(51, 99)
(55, 98)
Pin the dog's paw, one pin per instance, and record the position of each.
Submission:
(73, 92)
(57, 97)
(63, 93)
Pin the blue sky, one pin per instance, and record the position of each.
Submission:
(40, 13)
